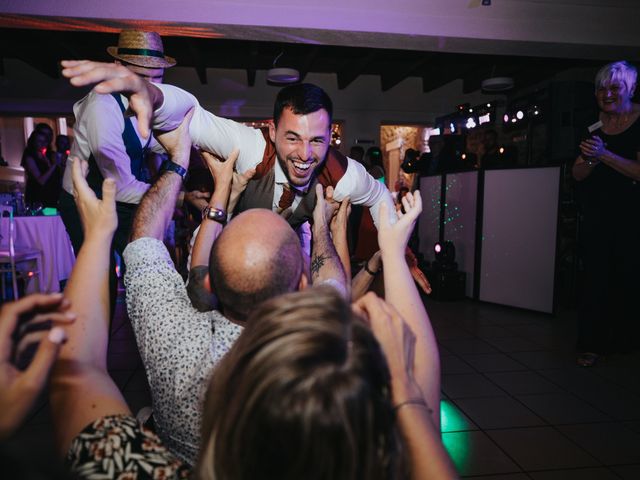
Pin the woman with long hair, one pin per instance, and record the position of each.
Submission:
(44, 173)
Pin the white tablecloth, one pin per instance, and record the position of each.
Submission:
(48, 235)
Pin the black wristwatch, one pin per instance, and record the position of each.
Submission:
(173, 167)
(215, 214)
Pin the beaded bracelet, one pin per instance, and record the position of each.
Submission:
(412, 401)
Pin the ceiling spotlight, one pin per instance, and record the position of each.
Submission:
(520, 114)
(497, 84)
(506, 117)
(282, 75)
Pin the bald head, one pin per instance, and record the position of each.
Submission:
(256, 257)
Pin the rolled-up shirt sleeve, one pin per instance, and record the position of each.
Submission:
(103, 127)
(363, 189)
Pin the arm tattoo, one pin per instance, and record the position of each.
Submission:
(316, 264)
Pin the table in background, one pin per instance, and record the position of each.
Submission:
(47, 234)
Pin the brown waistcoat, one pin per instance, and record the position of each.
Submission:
(259, 191)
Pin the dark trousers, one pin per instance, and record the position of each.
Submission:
(608, 315)
(71, 219)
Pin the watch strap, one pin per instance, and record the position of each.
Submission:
(215, 214)
(170, 166)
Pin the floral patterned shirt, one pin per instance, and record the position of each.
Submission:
(116, 446)
(178, 345)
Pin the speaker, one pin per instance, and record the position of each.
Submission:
(446, 284)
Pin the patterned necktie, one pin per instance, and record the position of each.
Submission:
(286, 199)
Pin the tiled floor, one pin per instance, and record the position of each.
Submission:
(514, 405)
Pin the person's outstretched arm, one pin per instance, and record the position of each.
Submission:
(339, 224)
(326, 266)
(364, 278)
(198, 288)
(81, 388)
(426, 453)
(162, 107)
(401, 292)
(157, 206)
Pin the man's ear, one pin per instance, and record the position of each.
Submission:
(206, 282)
(272, 131)
(303, 283)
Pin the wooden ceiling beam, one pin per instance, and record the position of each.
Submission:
(388, 80)
(347, 75)
(198, 60)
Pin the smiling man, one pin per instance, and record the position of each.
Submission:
(289, 158)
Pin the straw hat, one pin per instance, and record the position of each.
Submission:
(143, 49)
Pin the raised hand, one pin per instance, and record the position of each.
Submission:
(221, 170)
(398, 344)
(417, 274)
(325, 206)
(112, 77)
(341, 217)
(239, 183)
(177, 142)
(20, 389)
(396, 236)
(98, 216)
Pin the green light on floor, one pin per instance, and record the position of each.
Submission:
(451, 420)
(456, 442)
(458, 445)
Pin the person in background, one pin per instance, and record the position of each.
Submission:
(357, 153)
(111, 142)
(43, 172)
(373, 163)
(608, 171)
(63, 148)
(45, 128)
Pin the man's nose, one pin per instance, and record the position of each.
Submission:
(304, 152)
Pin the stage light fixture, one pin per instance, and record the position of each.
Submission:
(445, 254)
(520, 114)
(506, 118)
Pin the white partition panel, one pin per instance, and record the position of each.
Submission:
(429, 221)
(520, 213)
(460, 221)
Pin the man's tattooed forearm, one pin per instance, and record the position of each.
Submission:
(317, 263)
